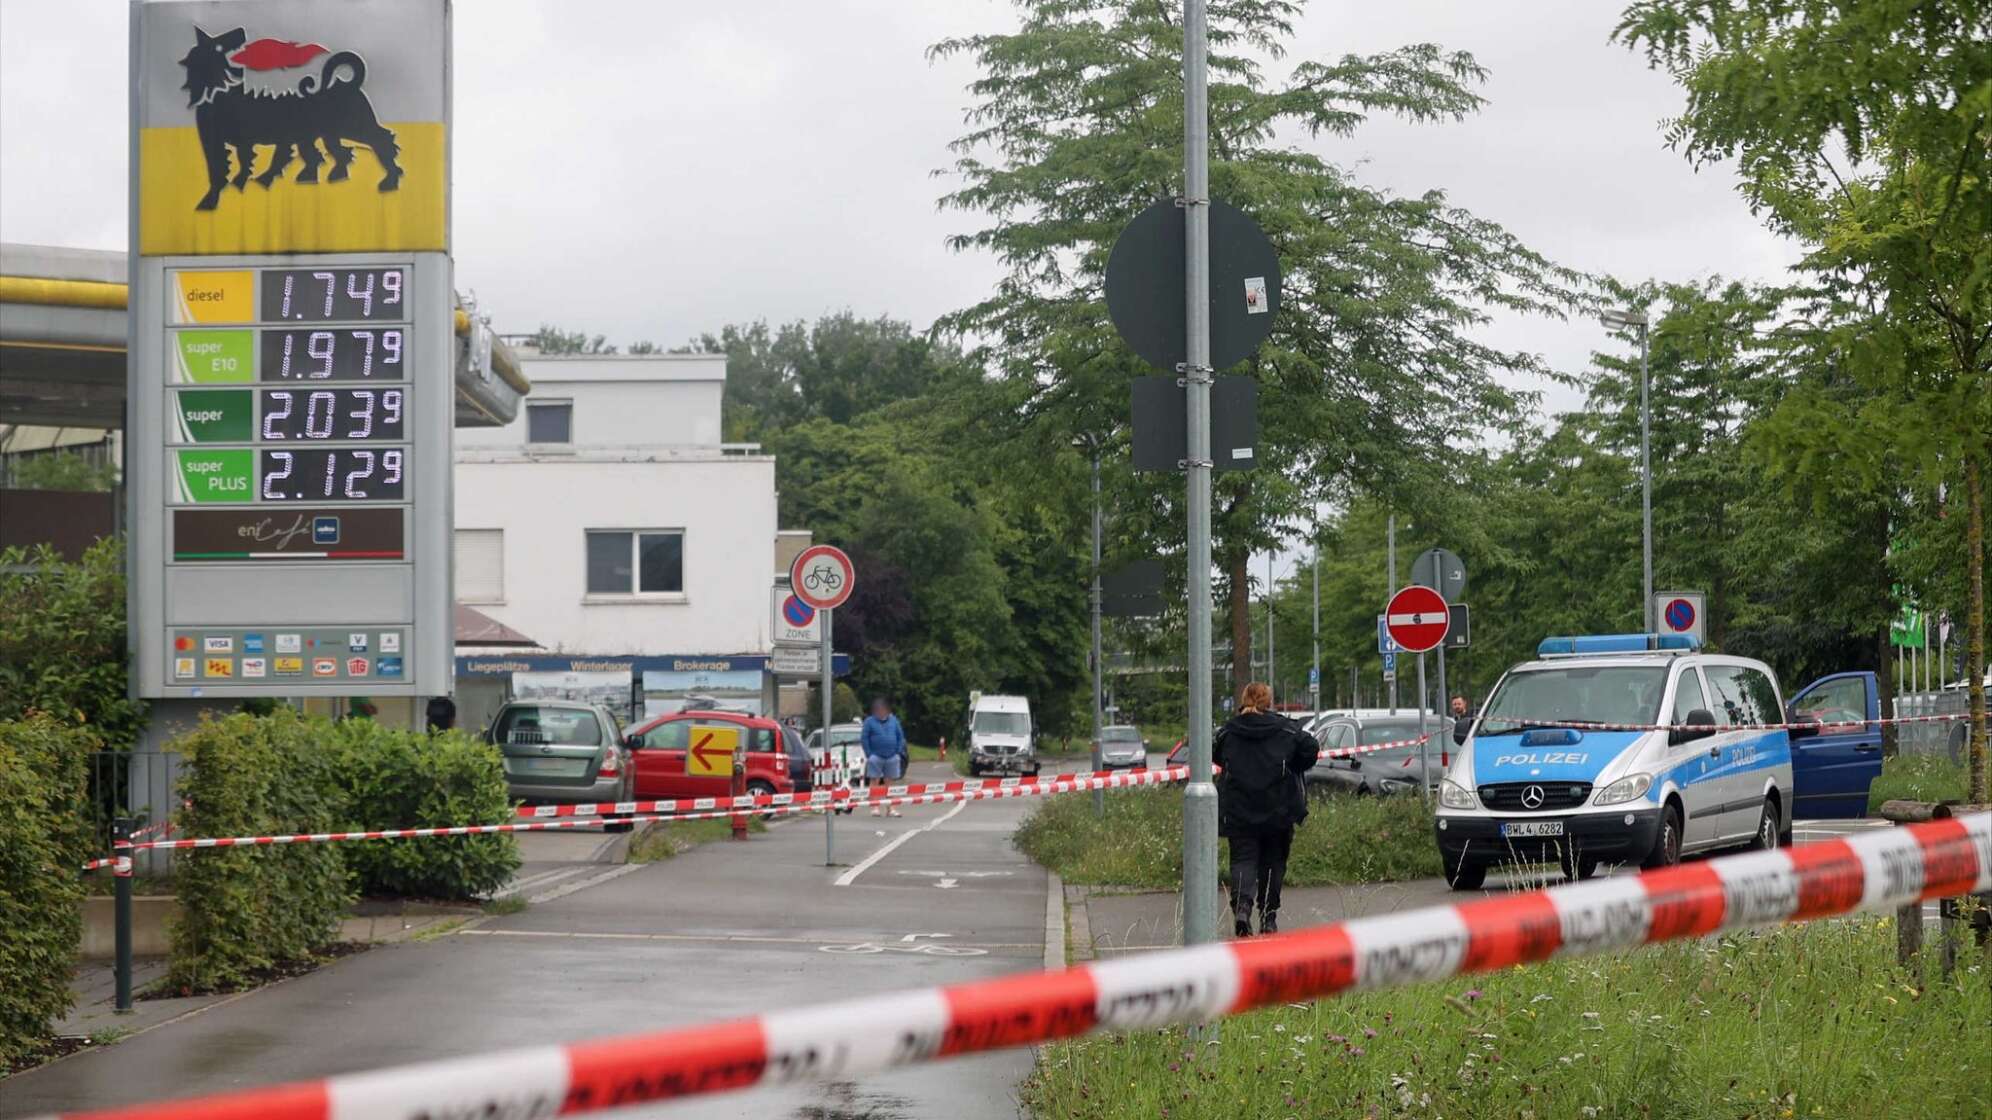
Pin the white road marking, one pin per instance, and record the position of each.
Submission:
(865, 864)
(918, 936)
(945, 884)
(565, 889)
(713, 938)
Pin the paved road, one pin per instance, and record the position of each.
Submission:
(728, 929)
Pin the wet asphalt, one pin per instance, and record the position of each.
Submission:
(726, 930)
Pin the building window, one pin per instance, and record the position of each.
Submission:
(480, 565)
(549, 421)
(636, 562)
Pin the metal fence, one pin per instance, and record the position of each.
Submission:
(1932, 738)
(141, 785)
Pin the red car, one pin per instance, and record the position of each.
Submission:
(659, 748)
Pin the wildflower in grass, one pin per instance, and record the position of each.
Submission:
(1471, 994)
(1368, 1033)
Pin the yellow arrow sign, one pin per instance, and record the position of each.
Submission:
(712, 751)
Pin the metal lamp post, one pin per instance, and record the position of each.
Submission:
(1092, 446)
(1638, 320)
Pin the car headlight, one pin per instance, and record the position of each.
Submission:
(1452, 795)
(1625, 789)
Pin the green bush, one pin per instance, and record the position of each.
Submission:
(62, 647)
(246, 910)
(1139, 842)
(44, 838)
(401, 779)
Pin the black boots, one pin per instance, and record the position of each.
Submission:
(1243, 928)
(1269, 921)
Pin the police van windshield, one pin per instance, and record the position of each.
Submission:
(1577, 694)
(1003, 723)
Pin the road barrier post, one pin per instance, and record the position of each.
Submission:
(121, 917)
(740, 790)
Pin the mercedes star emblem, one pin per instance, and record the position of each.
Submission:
(1532, 797)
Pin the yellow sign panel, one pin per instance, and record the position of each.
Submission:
(214, 297)
(711, 753)
(220, 667)
(357, 206)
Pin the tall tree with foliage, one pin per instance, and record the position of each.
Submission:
(1373, 370)
(1864, 131)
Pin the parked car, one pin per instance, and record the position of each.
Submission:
(847, 754)
(1392, 770)
(802, 773)
(661, 747)
(1121, 746)
(562, 752)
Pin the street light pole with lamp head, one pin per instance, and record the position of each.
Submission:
(1637, 319)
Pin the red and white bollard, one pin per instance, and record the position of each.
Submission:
(739, 790)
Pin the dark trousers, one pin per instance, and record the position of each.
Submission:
(1258, 868)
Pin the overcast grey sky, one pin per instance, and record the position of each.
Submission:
(654, 170)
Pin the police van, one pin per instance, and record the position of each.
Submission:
(1537, 779)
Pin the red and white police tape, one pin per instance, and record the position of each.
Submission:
(768, 803)
(1596, 725)
(1877, 870)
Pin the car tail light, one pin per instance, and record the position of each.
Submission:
(612, 766)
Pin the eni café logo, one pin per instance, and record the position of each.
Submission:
(278, 93)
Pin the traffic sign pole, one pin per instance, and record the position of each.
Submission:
(1426, 792)
(1200, 797)
(829, 814)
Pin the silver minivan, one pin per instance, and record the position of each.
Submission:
(562, 752)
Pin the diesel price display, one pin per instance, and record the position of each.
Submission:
(326, 295)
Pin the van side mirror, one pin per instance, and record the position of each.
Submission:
(1700, 724)
(633, 742)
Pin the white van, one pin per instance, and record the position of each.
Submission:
(1001, 738)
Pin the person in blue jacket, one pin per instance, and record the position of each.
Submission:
(885, 747)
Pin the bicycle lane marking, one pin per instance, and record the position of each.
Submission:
(892, 845)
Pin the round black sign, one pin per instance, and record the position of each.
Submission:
(1145, 281)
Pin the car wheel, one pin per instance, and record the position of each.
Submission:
(1766, 836)
(1578, 867)
(760, 788)
(1666, 846)
(1464, 876)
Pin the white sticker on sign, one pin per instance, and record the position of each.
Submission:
(1241, 453)
(1256, 302)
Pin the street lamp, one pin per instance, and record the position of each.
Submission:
(1637, 319)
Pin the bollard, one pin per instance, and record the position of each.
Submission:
(121, 916)
(739, 789)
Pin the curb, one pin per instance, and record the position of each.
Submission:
(1054, 921)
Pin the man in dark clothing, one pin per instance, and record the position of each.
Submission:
(1261, 799)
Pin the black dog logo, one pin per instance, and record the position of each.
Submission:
(323, 108)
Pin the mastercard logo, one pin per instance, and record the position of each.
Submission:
(183, 643)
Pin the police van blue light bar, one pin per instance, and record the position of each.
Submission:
(1615, 643)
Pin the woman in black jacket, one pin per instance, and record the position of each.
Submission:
(1261, 798)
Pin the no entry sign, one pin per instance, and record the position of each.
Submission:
(1417, 618)
(822, 577)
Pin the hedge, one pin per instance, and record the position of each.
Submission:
(400, 779)
(44, 838)
(245, 911)
(62, 650)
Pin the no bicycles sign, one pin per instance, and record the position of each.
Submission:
(822, 576)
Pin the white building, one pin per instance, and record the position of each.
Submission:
(611, 525)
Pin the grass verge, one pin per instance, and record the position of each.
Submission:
(1918, 777)
(668, 839)
(1796, 1023)
(1139, 841)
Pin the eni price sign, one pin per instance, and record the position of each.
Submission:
(292, 345)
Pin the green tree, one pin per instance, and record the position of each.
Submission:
(550, 339)
(64, 470)
(62, 644)
(1864, 131)
(1373, 370)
